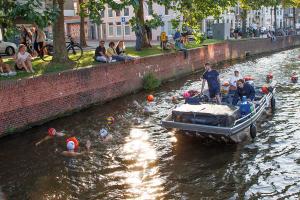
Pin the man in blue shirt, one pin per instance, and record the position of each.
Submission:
(211, 76)
(243, 89)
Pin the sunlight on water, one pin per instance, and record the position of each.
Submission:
(142, 176)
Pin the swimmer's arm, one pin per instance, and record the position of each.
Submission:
(43, 140)
(72, 154)
(60, 134)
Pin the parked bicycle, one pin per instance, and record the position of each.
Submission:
(73, 48)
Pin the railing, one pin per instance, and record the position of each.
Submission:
(261, 103)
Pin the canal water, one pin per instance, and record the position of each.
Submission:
(148, 162)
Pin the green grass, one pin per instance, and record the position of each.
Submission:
(191, 45)
(87, 59)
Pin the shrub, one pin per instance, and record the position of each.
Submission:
(150, 82)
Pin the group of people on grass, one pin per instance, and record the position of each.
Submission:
(31, 43)
(112, 54)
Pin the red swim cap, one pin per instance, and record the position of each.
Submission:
(264, 89)
(248, 78)
(51, 132)
(74, 139)
(270, 76)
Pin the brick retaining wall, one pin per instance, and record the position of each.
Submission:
(32, 101)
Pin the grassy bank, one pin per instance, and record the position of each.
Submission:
(42, 67)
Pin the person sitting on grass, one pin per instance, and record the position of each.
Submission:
(100, 52)
(112, 53)
(120, 49)
(51, 134)
(180, 46)
(5, 69)
(23, 59)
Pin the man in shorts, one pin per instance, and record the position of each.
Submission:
(211, 76)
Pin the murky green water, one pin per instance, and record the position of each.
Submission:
(148, 162)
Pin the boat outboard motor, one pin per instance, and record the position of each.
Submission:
(245, 107)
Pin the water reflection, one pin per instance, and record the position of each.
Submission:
(142, 174)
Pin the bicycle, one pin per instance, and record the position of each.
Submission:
(74, 51)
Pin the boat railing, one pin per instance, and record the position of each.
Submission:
(260, 103)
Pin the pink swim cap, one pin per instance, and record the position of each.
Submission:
(186, 95)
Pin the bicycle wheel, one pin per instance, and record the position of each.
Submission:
(75, 52)
(46, 53)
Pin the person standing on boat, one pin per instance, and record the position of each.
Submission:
(211, 76)
(243, 89)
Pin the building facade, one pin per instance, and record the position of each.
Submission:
(111, 27)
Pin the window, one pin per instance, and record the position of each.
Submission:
(110, 12)
(118, 13)
(102, 13)
(150, 8)
(166, 11)
(127, 29)
(111, 29)
(170, 28)
(119, 29)
(126, 11)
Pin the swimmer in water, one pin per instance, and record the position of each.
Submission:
(294, 77)
(51, 134)
(148, 109)
(71, 149)
(105, 135)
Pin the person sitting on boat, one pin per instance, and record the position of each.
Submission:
(233, 81)
(243, 89)
(213, 81)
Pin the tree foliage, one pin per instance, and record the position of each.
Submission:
(32, 11)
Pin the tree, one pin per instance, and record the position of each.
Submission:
(294, 4)
(195, 11)
(60, 50)
(82, 23)
(29, 11)
(95, 7)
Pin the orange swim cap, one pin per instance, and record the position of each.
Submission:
(150, 98)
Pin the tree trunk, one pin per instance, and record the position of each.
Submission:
(294, 17)
(244, 23)
(82, 26)
(142, 39)
(60, 51)
(275, 18)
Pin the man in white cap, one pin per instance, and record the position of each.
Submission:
(233, 81)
